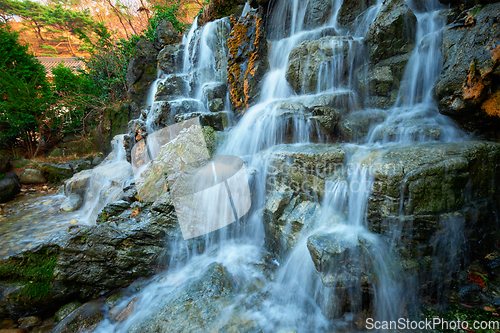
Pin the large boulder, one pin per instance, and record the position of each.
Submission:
(163, 113)
(8, 189)
(393, 31)
(247, 63)
(31, 176)
(56, 172)
(141, 71)
(321, 64)
(468, 88)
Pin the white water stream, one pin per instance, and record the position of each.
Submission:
(296, 297)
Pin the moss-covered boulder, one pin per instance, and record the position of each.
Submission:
(8, 189)
(217, 9)
(56, 173)
(247, 63)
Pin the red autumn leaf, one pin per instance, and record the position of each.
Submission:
(477, 278)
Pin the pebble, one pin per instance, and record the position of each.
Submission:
(24, 190)
(45, 188)
(73, 221)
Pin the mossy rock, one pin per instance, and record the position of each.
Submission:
(56, 173)
(65, 310)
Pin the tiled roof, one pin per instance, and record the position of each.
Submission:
(49, 63)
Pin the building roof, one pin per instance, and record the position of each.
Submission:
(51, 62)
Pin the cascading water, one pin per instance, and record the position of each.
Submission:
(300, 298)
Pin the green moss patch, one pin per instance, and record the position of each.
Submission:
(35, 272)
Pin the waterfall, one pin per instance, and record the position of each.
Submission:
(300, 297)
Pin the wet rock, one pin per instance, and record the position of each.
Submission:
(141, 71)
(327, 109)
(393, 31)
(97, 160)
(219, 9)
(174, 86)
(433, 178)
(8, 189)
(312, 64)
(71, 203)
(351, 9)
(85, 318)
(28, 322)
(297, 217)
(304, 168)
(164, 112)
(216, 120)
(195, 308)
(247, 63)
(78, 183)
(214, 90)
(170, 58)
(337, 259)
(65, 310)
(356, 125)
(167, 34)
(30, 176)
(127, 311)
(467, 89)
(112, 209)
(381, 82)
(80, 165)
(318, 13)
(56, 172)
(344, 264)
(216, 105)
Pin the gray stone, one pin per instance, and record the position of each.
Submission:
(112, 209)
(356, 125)
(311, 63)
(28, 322)
(66, 309)
(381, 82)
(71, 203)
(165, 112)
(170, 58)
(30, 176)
(393, 31)
(167, 34)
(217, 120)
(141, 71)
(195, 308)
(214, 90)
(85, 318)
(318, 13)
(97, 160)
(173, 87)
(78, 183)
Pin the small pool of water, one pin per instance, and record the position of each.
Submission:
(29, 219)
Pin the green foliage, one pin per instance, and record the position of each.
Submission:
(35, 272)
(1, 176)
(49, 47)
(163, 13)
(25, 94)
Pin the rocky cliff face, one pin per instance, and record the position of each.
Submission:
(468, 88)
